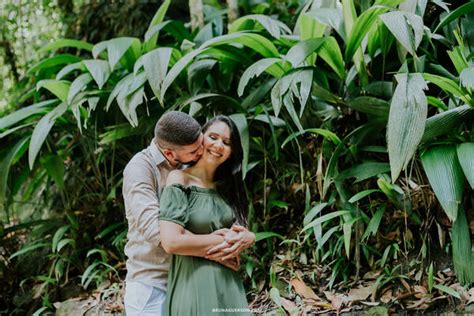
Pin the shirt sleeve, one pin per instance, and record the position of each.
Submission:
(174, 204)
(140, 193)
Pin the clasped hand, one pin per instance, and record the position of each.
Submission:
(236, 239)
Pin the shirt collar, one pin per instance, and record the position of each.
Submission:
(156, 154)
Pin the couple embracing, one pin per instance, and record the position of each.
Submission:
(186, 224)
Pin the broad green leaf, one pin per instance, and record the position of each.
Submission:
(445, 176)
(14, 129)
(462, 10)
(467, 78)
(448, 85)
(264, 235)
(462, 249)
(275, 296)
(323, 132)
(117, 47)
(273, 26)
(275, 121)
(57, 60)
(13, 154)
(198, 72)
(54, 166)
(331, 54)
(447, 290)
(406, 122)
(298, 53)
(436, 103)
(41, 131)
(120, 86)
(364, 171)
(77, 86)
(325, 218)
(259, 93)
(446, 122)
(373, 226)
(347, 231)
(331, 17)
(99, 48)
(131, 97)
(361, 28)
(254, 70)
(64, 242)
(23, 113)
(361, 195)
(256, 42)
(60, 88)
(241, 122)
(174, 72)
(70, 68)
(172, 27)
(28, 248)
(465, 153)
(313, 212)
(150, 40)
(63, 42)
(370, 105)
(156, 64)
(458, 59)
(406, 27)
(229, 100)
(99, 70)
(58, 235)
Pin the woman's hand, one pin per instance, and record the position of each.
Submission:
(237, 239)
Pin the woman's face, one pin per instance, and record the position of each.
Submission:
(217, 144)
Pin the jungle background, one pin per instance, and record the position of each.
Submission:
(357, 124)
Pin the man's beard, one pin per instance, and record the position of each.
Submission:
(186, 164)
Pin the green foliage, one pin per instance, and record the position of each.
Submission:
(322, 128)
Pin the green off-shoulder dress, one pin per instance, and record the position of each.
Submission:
(197, 286)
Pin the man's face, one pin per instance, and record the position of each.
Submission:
(189, 153)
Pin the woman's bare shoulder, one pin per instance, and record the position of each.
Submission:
(177, 177)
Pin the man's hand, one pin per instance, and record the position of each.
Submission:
(237, 239)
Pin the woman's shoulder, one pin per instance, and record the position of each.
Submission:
(177, 177)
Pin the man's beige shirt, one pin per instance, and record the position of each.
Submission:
(144, 178)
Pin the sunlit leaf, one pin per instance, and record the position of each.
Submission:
(41, 131)
(406, 123)
(465, 153)
(99, 70)
(445, 176)
(59, 88)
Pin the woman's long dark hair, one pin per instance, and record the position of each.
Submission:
(228, 175)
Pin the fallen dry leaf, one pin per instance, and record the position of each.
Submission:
(471, 296)
(386, 297)
(372, 275)
(359, 294)
(303, 290)
(289, 306)
(337, 300)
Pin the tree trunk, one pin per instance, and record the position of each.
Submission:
(197, 14)
(233, 13)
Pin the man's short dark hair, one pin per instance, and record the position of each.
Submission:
(177, 128)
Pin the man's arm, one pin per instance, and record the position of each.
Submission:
(140, 196)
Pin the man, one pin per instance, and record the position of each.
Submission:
(178, 140)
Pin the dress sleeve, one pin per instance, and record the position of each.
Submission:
(174, 204)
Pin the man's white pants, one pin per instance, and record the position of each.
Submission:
(142, 299)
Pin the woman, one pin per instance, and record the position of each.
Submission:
(203, 199)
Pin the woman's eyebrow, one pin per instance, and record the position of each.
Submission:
(217, 134)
